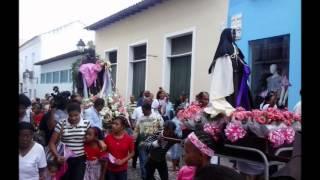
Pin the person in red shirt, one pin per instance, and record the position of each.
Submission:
(37, 113)
(120, 148)
(95, 164)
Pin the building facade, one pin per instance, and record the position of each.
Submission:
(29, 53)
(270, 34)
(167, 43)
(56, 71)
(44, 46)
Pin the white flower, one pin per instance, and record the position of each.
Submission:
(110, 100)
(117, 113)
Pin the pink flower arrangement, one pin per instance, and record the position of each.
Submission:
(234, 131)
(280, 136)
(276, 137)
(275, 115)
(212, 129)
(288, 134)
(192, 112)
(296, 117)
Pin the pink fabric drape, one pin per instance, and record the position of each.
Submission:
(90, 72)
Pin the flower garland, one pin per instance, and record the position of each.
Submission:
(268, 116)
(279, 135)
(190, 115)
(277, 126)
(192, 112)
(114, 107)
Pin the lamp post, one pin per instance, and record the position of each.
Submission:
(81, 45)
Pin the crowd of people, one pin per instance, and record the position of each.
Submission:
(60, 138)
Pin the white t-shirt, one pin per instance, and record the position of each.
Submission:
(30, 163)
(266, 106)
(137, 113)
(297, 108)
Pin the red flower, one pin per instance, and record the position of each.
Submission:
(261, 120)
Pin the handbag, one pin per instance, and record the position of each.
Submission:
(60, 146)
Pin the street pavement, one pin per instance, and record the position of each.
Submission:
(134, 173)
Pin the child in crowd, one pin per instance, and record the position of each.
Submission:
(37, 114)
(269, 101)
(176, 149)
(199, 148)
(120, 149)
(95, 165)
(55, 171)
(157, 146)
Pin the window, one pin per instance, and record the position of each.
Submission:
(264, 53)
(180, 63)
(138, 69)
(25, 60)
(64, 76)
(30, 93)
(43, 78)
(70, 75)
(56, 77)
(34, 93)
(112, 56)
(33, 56)
(49, 77)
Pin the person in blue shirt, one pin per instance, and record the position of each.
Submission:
(92, 114)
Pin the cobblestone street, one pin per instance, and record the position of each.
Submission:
(134, 173)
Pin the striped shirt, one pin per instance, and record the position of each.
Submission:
(73, 136)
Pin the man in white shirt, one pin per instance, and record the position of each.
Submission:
(147, 125)
(137, 114)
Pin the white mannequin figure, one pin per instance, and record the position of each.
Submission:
(274, 81)
(273, 70)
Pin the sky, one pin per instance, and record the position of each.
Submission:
(39, 16)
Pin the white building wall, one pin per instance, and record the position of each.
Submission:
(205, 19)
(47, 45)
(52, 67)
(28, 54)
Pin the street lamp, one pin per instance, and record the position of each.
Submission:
(81, 45)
